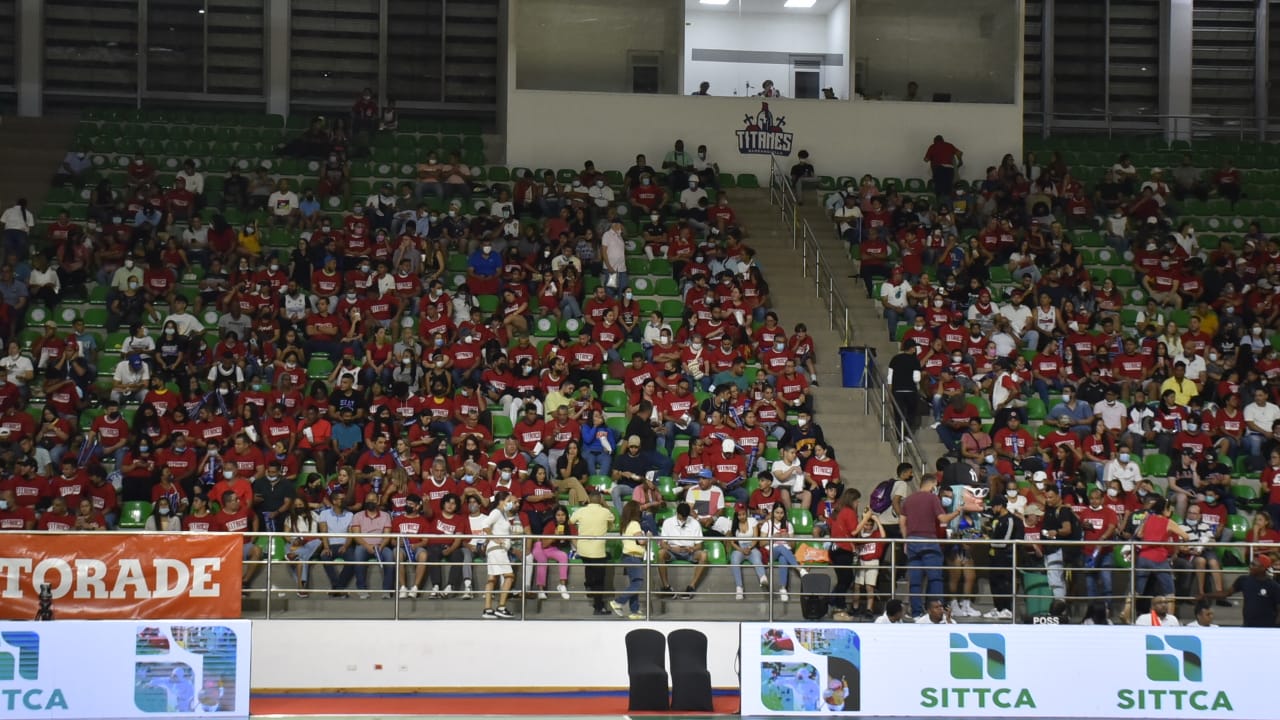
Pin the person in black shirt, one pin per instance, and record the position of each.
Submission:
(1261, 593)
(904, 381)
(641, 427)
(632, 178)
(1060, 523)
(1006, 529)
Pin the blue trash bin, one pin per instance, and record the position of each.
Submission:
(855, 363)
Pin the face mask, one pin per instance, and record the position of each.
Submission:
(468, 479)
(487, 249)
(1256, 330)
(989, 459)
(1124, 457)
(291, 365)
(168, 331)
(1040, 485)
(1011, 493)
(358, 211)
(228, 474)
(509, 507)
(506, 474)
(128, 264)
(1142, 493)
(1211, 499)
(133, 284)
(1095, 507)
(162, 511)
(4, 504)
(801, 422)
(779, 346)
(275, 267)
(644, 181)
(1066, 397)
(144, 448)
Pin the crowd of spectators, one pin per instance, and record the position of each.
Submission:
(397, 369)
(1080, 400)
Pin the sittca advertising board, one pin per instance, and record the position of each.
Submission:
(75, 670)
(1019, 671)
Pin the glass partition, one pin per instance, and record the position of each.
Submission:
(937, 50)
(599, 45)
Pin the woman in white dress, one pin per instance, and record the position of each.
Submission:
(503, 522)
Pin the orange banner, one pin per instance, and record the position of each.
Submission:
(94, 576)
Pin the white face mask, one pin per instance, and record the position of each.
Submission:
(1011, 493)
(801, 422)
(990, 459)
(1112, 492)
(1124, 457)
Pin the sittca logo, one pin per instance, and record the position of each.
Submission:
(977, 657)
(20, 664)
(764, 134)
(1174, 659)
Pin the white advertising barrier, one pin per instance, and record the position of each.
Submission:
(1020, 671)
(74, 670)
(444, 655)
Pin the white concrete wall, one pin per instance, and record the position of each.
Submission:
(438, 656)
(882, 138)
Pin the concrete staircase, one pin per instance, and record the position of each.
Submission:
(31, 149)
(855, 435)
(868, 325)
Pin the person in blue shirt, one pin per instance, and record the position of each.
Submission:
(483, 268)
(598, 444)
(309, 207)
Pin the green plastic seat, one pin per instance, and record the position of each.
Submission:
(1155, 466)
(716, 553)
(134, 514)
(502, 426)
(1035, 408)
(1239, 525)
(748, 181)
(667, 486)
(801, 521)
(615, 399)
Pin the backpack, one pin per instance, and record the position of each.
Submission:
(882, 497)
(815, 591)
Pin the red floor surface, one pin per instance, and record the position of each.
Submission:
(455, 705)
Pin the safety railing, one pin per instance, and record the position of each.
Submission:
(1022, 576)
(1182, 127)
(894, 425)
(812, 259)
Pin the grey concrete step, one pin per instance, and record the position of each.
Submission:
(852, 433)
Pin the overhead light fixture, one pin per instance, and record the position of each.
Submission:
(714, 2)
(799, 3)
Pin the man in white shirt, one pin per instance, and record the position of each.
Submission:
(1259, 416)
(284, 205)
(787, 472)
(1021, 320)
(1111, 410)
(1195, 367)
(690, 196)
(19, 367)
(194, 180)
(601, 196)
(196, 236)
(186, 322)
(130, 380)
(613, 253)
(682, 540)
(894, 612)
(848, 219)
(894, 301)
(1123, 468)
(1159, 614)
(936, 614)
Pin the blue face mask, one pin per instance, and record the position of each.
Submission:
(947, 502)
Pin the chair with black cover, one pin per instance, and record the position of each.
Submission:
(690, 679)
(647, 668)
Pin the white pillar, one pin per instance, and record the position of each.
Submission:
(30, 70)
(1175, 67)
(278, 28)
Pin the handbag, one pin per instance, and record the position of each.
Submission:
(812, 555)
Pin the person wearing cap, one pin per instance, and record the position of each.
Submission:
(1260, 591)
(706, 500)
(130, 380)
(628, 471)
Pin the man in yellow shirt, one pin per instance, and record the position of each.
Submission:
(1183, 389)
(593, 519)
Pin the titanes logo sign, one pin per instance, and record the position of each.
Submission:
(977, 657)
(20, 665)
(763, 134)
(1174, 659)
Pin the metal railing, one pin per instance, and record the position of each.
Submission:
(1179, 127)
(812, 260)
(1023, 569)
(893, 422)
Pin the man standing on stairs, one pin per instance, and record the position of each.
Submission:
(904, 380)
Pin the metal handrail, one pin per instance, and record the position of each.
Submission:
(892, 562)
(813, 263)
(1193, 124)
